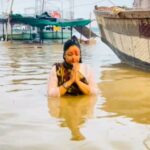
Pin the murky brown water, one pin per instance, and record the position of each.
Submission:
(117, 119)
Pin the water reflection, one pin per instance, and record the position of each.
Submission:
(74, 111)
(127, 92)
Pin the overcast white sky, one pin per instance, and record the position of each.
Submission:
(82, 7)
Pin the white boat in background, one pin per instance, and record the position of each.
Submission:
(127, 32)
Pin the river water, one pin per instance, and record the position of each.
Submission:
(117, 119)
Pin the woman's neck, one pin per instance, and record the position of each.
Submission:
(67, 65)
(70, 66)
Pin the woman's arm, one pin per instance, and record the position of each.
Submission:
(82, 86)
(91, 87)
(63, 88)
(53, 89)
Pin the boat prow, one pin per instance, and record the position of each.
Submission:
(127, 33)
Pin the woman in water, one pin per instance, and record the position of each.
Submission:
(71, 77)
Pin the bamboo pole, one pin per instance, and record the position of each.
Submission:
(8, 22)
(11, 36)
(43, 4)
(12, 2)
(3, 32)
(81, 34)
(62, 35)
(90, 26)
(71, 30)
(6, 37)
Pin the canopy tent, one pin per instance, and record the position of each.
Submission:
(43, 22)
(17, 18)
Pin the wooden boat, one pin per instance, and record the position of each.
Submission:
(127, 33)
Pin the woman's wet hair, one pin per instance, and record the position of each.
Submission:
(72, 42)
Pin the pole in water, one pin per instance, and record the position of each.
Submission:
(62, 35)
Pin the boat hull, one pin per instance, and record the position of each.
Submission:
(46, 36)
(128, 35)
(56, 35)
(24, 36)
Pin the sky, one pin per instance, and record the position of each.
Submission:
(85, 10)
(82, 8)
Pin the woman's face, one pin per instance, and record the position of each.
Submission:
(72, 55)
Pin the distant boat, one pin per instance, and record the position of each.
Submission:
(46, 23)
(127, 32)
(53, 32)
(60, 28)
(20, 32)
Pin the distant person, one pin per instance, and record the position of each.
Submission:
(71, 77)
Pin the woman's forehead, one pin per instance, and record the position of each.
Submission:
(73, 48)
